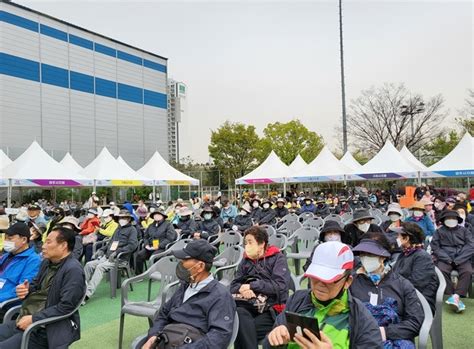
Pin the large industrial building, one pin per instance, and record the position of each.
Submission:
(74, 90)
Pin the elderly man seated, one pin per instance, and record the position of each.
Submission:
(201, 312)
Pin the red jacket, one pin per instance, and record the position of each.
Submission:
(89, 225)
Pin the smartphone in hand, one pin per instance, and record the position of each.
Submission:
(297, 322)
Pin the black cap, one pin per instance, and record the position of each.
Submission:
(19, 228)
(197, 249)
(450, 214)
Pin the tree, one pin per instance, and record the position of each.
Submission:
(393, 113)
(288, 140)
(233, 148)
(440, 147)
(466, 121)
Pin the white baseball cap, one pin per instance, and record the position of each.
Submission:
(107, 212)
(330, 261)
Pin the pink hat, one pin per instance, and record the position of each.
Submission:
(330, 261)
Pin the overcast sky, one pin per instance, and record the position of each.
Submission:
(258, 62)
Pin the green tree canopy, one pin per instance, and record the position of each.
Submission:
(233, 148)
(440, 147)
(288, 140)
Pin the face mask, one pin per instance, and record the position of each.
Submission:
(451, 223)
(252, 251)
(90, 215)
(394, 217)
(370, 263)
(107, 219)
(332, 237)
(184, 274)
(307, 203)
(123, 222)
(438, 205)
(255, 205)
(266, 206)
(243, 213)
(9, 246)
(399, 242)
(207, 216)
(364, 227)
(184, 218)
(417, 214)
(157, 218)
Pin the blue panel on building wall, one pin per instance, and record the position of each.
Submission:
(82, 82)
(19, 67)
(130, 58)
(76, 40)
(105, 50)
(130, 93)
(105, 88)
(155, 99)
(8, 17)
(53, 32)
(54, 76)
(154, 65)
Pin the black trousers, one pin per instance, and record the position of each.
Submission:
(142, 256)
(253, 327)
(10, 337)
(465, 272)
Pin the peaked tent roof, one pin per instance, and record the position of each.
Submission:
(387, 163)
(162, 172)
(272, 170)
(408, 155)
(4, 162)
(36, 166)
(325, 167)
(69, 162)
(459, 162)
(106, 168)
(349, 161)
(297, 164)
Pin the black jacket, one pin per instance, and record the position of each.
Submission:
(210, 226)
(356, 234)
(66, 291)
(364, 332)
(452, 244)
(272, 273)
(187, 227)
(281, 212)
(266, 216)
(322, 210)
(211, 310)
(163, 231)
(127, 240)
(255, 213)
(409, 308)
(243, 222)
(418, 268)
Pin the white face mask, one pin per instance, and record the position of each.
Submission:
(265, 206)
(418, 213)
(123, 222)
(255, 204)
(364, 227)
(332, 237)
(90, 215)
(9, 246)
(107, 219)
(208, 216)
(158, 218)
(370, 263)
(399, 242)
(451, 223)
(394, 217)
(243, 213)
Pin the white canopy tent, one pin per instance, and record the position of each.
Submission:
(298, 164)
(349, 161)
(162, 173)
(36, 168)
(69, 162)
(388, 163)
(4, 162)
(105, 170)
(407, 154)
(324, 168)
(458, 163)
(272, 170)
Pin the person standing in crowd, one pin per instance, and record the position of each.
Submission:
(157, 236)
(243, 221)
(414, 263)
(361, 224)
(200, 305)
(262, 273)
(419, 217)
(344, 321)
(228, 213)
(55, 291)
(453, 247)
(389, 297)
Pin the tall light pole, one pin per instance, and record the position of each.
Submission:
(343, 85)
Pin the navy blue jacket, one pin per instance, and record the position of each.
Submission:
(127, 240)
(67, 288)
(211, 310)
(272, 274)
(266, 216)
(162, 231)
(243, 222)
(187, 227)
(281, 212)
(364, 332)
(307, 208)
(452, 244)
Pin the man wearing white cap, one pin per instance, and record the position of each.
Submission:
(344, 321)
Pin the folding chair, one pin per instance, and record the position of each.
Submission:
(315, 222)
(302, 242)
(333, 217)
(289, 227)
(305, 216)
(427, 322)
(227, 263)
(278, 240)
(436, 332)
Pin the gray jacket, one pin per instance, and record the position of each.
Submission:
(126, 237)
(163, 231)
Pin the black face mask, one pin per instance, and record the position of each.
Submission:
(184, 218)
(184, 274)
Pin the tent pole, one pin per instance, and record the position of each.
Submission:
(419, 178)
(284, 187)
(9, 194)
(154, 192)
(94, 187)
